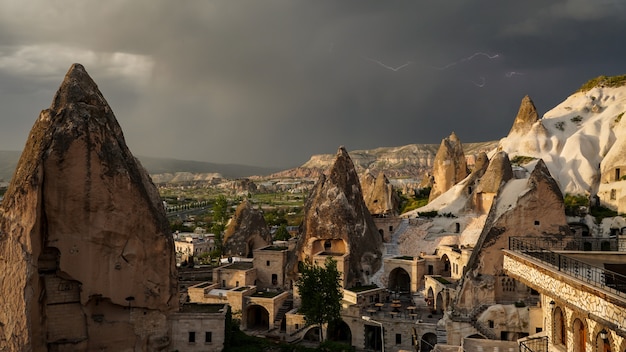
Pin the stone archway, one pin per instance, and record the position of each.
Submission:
(428, 342)
(339, 331)
(579, 331)
(258, 318)
(447, 270)
(439, 303)
(399, 281)
(313, 334)
(559, 337)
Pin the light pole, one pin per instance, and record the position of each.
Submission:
(382, 332)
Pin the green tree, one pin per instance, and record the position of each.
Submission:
(220, 217)
(320, 293)
(282, 234)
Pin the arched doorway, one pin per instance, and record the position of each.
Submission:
(430, 298)
(447, 272)
(399, 281)
(428, 342)
(439, 304)
(313, 334)
(603, 345)
(559, 327)
(580, 336)
(258, 318)
(339, 331)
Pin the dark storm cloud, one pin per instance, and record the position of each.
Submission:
(272, 82)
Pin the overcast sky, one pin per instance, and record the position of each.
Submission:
(270, 83)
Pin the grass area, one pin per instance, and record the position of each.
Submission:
(442, 280)
(521, 160)
(606, 81)
(363, 288)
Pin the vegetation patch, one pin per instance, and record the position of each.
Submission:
(618, 118)
(428, 214)
(573, 204)
(521, 160)
(363, 288)
(560, 125)
(576, 119)
(600, 212)
(442, 280)
(603, 81)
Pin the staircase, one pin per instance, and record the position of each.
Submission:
(287, 306)
(390, 250)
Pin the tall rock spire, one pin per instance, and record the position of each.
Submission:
(84, 235)
(338, 224)
(449, 166)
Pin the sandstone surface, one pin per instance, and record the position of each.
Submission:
(246, 232)
(379, 195)
(83, 236)
(449, 167)
(335, 214)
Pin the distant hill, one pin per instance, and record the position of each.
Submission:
(9, 159)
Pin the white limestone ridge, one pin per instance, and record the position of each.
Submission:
(575, 137)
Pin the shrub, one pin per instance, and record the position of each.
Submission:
(428, 214)
(576, 119)
(521, 159)
(604, 81)
(560, 125)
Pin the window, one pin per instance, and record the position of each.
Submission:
(208, 337)
(430, 270)
(223, 283)
(267, 263)
(236, 283)
(398, 339)
(536, 222)
(390, 228)
(491, 324)
(192, 337)
(274, 279)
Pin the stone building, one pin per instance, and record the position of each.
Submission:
(583, 295)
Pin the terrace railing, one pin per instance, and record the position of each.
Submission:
(537, 344)
(542, 249)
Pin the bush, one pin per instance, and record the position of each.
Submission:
(573, 202)
(428, 214)
(604, 81)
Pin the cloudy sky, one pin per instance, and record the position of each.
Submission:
(270, 83)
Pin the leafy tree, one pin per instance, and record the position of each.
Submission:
(320, 293)
(282, 234)
(220, 217)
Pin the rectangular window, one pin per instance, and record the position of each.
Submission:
(192, 337)
(267, 263)
(398, 339)
(208, 337)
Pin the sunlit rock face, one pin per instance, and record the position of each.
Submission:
(246, 232)
(449, 166)
(379, 195)
(84, 236)
(338, 223)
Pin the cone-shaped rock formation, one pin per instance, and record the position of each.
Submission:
(379, 195)
(338, 224)
(246, 232)
(83, 235)
(449, 166)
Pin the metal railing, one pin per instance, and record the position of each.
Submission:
(568, 243)
(594, 275)
(536, 344)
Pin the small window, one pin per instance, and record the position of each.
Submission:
(430, 269)
(192, 337)
(398, 339)
(267, 263)
(491, 324)
(390, 228)
(297, 326)
(223, 283)
(237, 283)
(208, 337)
(274, 279)
(536, 222)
